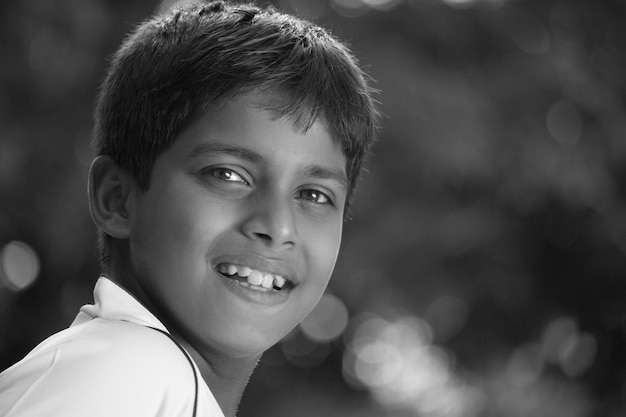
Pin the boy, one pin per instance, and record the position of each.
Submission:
(229, 142)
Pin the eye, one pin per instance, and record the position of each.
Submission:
(225, 174)
(315, 196)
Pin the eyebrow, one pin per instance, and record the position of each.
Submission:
(223, 149)
(324, 173)
(310, 170)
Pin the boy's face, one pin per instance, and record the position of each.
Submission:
(239, 193)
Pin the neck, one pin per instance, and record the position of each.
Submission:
(226, 376)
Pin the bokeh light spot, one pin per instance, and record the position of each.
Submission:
(610, 63)
(377, 364)
(349, 4)
(556, 333)
(19, 265)
(303, 352)
(349, 8)
(384, 5)
(564, 123)
(578, 354)
(327, 321)
(446, 316)
(460, 4)
(531, 35)
(395, 360)
(525, 365)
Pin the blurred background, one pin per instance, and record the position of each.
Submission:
(483, 271)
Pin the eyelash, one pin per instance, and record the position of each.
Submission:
(319, 193)
(214, 172)
(226, 174)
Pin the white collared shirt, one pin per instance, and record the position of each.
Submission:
(109, 362)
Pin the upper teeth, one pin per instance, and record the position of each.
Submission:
(254, 277)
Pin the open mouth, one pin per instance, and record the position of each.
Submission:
(254, 279)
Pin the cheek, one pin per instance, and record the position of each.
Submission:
(324, 242)
(166, 233)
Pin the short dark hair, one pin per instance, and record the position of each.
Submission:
(179, 64)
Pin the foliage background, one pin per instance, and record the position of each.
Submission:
(491, 220)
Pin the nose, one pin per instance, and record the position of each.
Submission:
(271, 220)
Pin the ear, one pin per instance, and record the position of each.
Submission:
(110, 189)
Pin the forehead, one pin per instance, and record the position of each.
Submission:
(301, 110)
(250, 121)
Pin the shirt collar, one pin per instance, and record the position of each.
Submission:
(114, 303)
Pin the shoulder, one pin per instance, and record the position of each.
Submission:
(122, 367)
(116, 347)
(126, 343)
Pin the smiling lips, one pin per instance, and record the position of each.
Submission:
(254, 279)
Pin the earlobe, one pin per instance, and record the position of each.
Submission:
(109, 197)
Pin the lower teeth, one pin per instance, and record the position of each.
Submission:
(254, 287)
(245, 283)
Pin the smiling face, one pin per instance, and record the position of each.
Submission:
(237, 235)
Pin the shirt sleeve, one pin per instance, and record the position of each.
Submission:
(101, 369)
